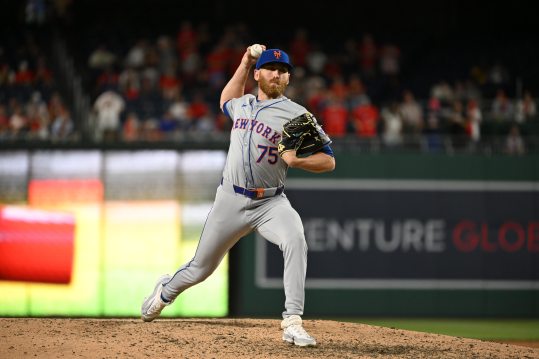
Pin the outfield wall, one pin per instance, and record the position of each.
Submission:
(388, 234)
(407, 235)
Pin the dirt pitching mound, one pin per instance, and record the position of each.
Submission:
(230, 338)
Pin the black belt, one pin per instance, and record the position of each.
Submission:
(256, 193)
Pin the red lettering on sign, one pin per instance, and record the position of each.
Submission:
(505, 244)
(533, 236)
(465, 236)
(510, 237)
(485, 244)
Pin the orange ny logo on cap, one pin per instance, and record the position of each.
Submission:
(277, 54)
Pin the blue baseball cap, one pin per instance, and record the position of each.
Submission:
(273, 55)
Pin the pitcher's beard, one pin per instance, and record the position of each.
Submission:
(270, 90)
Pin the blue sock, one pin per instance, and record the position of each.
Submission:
(164, 299)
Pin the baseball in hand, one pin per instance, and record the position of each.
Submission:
(256, 50)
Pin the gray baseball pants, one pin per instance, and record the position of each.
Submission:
(233, 216)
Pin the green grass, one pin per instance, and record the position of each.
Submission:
(484, 329)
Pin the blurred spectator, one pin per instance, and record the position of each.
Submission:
(300, 47)
(24, 75)
(129, 84)
(473, 120)
(198, 110)
(317, 59)
(457, 125)
(222, 122)
(526, 108)
(236, 54)
(108, 106)
(338, 87)
(443, 92)
(466, 90)
(179, 109)
(411, 113)
(150, 77)
(152, 57)
(101, 58)
(498, 76)
(38, 116)
(206, 123)
(169, 83)
(390, 60)
(315, 95)
(150, 130)
(472, 91)
(167, 126)
(390, 67)
(433, 133)
(136, 56)
(333, 67)
(18, 123)
(37, 104)
(502, 107)
(62, 125)
(43, 79)
(365, 119)
(298, 89)
(368, 55)
(191, 65)
(186, 40)
(357, 94)
(167, 54)
(217, 64)
(391, 125)
(55, 105)
(434, 107)
(131, 127)
(108, 79)
(149, 104)
(433, 128)
(335, 116)
(514, 143)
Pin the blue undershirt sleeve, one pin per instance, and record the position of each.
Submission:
(327, 150)
(225, 111)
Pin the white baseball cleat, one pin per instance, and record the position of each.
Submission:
(153, 304)
(294, 333)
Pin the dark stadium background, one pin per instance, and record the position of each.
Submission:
(451, 34)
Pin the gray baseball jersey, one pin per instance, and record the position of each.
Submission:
(253, 160)
(250, 198)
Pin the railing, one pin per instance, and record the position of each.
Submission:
(441, 144)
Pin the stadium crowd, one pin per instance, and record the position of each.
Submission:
(31, 105)
(169, 85)
(159, 88)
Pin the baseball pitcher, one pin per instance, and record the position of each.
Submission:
(270, 133)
